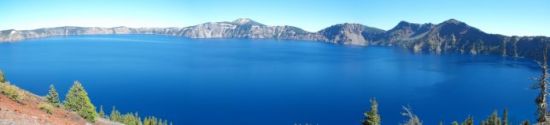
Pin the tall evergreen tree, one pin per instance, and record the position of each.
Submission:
(77, 100)
(53, 96)
(372, 117)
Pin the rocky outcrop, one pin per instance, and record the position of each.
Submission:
(349, 33)
(451, 36)
(246, 28)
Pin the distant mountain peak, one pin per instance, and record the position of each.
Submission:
(243, 21)
(352, 26)
(402, 22)
(453, 21)
(453, 25)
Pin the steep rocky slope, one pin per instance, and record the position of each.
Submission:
(350, 33)
(453, 36)
(27, 112)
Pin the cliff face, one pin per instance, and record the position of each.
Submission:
(354, 34)
(246, 28)
(451, 36)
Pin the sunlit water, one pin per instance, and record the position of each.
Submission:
(268, 82)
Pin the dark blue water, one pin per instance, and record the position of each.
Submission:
(251, 82)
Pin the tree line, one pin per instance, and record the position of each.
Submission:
(77, 100)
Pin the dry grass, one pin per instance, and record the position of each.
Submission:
(46, 107)
(12, 91)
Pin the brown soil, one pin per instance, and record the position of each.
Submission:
(27, 112)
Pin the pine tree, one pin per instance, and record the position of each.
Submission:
(101, 112)
(146, 121)
(115, 115)
(131, 119)
(53, 96)
(468, 121)
(505, 117)
(493, 119)
(77, 100)
(372, 117)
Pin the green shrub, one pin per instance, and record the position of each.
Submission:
(13, 92)
(46, 107)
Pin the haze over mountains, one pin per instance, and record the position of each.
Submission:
(451, 36)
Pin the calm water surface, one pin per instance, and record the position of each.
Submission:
(268, 82)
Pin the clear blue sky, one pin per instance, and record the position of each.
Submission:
(509, 17)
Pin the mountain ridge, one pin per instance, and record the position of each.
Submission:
(450, 36)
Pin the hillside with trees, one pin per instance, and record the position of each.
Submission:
(18, 106)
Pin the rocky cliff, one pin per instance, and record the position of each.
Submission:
(453, 36)
(246, 28)
(349, 33)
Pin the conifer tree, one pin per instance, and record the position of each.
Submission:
(101, 112)
(372, 117)
(53, 96)
(493, 119)
(115, 114)
(468, 121)
(131, 119)
(77, 100)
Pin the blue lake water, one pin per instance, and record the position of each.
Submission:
(269, 82)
